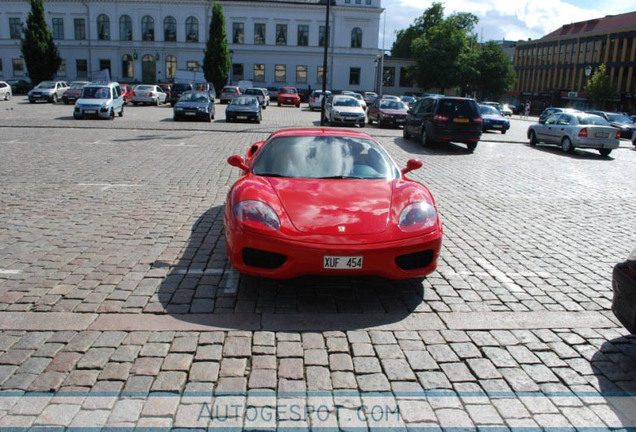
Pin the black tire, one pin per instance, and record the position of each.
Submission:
(471, 147)
(172, 104)
(566, 145)
(7, 96)
(503, 132)
(77, 116)
(362, 124)
(533, 138)
(297, 105)
(405, 133)
(605, 152)
(111, 115)
(228, 120)
(278, 103)
(424, 138)
(66, 102)
(135, 103)
(54, 98)
(369, 120)
(209, 118)
(121, 112)
(175, 118)
(31, 101)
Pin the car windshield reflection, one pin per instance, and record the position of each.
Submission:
(96, 93)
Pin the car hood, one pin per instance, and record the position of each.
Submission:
(240, 108)
(73, 92)
(92, 101)
(336, 207)
(623, 125)
(391, 111)
(492, 117)
(43, 90)
(191, 104)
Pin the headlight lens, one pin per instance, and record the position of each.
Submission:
(632, 256)
(203, 109)
(256, 213)
(178, 109)
(417, 216)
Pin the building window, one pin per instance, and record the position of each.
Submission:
(320, 73)
(281, 34)
(388, 76)
(15, 28)
(237, 71)
(61, 71)
(147, 28)
(104, 64)
(322, 33)
(103, 27)
(192, 65)
(125, 28)
(259, 72)
(356, 38)
(171, 66)
(354, 76)
(18, 66)
(127, 66)
(57, 25)
(280, 75)
(303, 35)
(358, 1)
(368, 2)
(170, 29)
(405, 80)
(192, 29)
(259, 33)
(81, 68)
(301, 74)
(80, 28)
(237, 33)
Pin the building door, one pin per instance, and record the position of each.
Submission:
(148, 69)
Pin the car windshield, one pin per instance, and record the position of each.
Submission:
(145, 88)
(254, 91)
(46, 85)
(193, 97)
(244, 101)
(323, 157)
(181, 87)
(591, 120)
(350, 101)
(619, 118)
(77, 86)
(96, 93)
(487, 109)
(391, 104)
(288, 91)
(457, 107)
(230, 90)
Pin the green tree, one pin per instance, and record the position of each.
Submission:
(40, 54)
(599, 87)
(404, 38)
(495, 74)
(216, 63)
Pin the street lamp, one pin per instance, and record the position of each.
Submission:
(588, 71)
(231, 66)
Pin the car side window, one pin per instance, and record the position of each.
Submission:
(564, 120)
(552, 119)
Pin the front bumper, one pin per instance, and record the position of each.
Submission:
(624, 300)
(41, 96)
(283, 100)
(392, 120)
(417, 256)
(496, 125)
(348, 118)
(244, 116)
(91, 111)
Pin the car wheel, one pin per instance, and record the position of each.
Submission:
(209, 118)
(424, 138)
(77, 116)
(7, 96)
(121, 112)
(228, 120)
(471, 147)
(157, 102)
(278, 103)
(54, 98)
(172, 104)
(297, 105)
(503, 132)
(605, 152)
(66, 102)
(135, 103)
(31, 101)
(175, 118)
(533, 138)
(362, 124)
(566, 145)
(111, 115)
(405, 133)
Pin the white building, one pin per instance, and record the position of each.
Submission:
(272, 42)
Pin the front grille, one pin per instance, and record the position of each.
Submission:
(263, 259)
(415, 260)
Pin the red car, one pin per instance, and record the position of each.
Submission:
(288, 96)
(387, 112)
(127, 91)
(329, 202)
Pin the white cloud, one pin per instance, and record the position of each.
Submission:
(502, 19)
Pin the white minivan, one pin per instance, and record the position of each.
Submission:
(100, 100)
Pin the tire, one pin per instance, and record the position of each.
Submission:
(605, 152)
(471, 147)
(172, 104)
(278, 103)
(175, 118)
(121, 111)
(228, 120)
(362, 124)
(209, 118)
(405, 133)
(66, 102)
(157, 102)
(566, 145)
(135, 103)
(503, 132)
(111, 115)
(77, 117)
(54, 98)
(424, 139)
(369, 120)
(297, 105)
(31, 101)
(533, 138)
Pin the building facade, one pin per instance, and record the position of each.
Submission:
(272, 43)
(553, 70)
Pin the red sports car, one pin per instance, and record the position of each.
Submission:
(329, 202)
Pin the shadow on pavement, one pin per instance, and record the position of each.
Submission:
(414, 146)
(202, 288)
(576, 154)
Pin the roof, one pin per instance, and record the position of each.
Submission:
(609, 23)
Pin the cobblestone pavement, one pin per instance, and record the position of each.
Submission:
(118, 307)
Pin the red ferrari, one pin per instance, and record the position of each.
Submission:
(329, 202)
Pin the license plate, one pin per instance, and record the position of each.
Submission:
(601, 135)
(342, 262)
(461, 120)
(90, 112)
(400, 120)
(241, 117)
(350, 118)
(190, 113)
(497, 126)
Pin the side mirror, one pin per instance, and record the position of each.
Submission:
(237, 161)
(412, 165)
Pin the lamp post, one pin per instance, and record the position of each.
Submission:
(324, 66)
(231, 66)
(588, 72)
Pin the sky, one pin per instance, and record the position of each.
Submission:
(503, 19)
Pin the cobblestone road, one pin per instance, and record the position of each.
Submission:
(118, 307)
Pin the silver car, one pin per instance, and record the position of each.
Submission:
(342, 109)
(5, 91)
(571, 130)
(260, 94)
(50, 91)
(149, 94)
(315, 99)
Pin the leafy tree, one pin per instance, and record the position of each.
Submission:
(599, 87)
(495, 72)
(40, 54)
(216, 63)
(404, 38)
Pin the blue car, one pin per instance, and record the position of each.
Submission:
(194, 105)
(493, 120)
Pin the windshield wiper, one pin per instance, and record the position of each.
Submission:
(270, 175)
(347, 177)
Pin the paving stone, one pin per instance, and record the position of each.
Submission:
(540, 373)
(169, 381)
(484, 415)
(318, 379)
(204, 372)
(291, 368)
(34, 365)
(483, 368)
(82, 341)
(343, 380)
(420, 360)
(340, 362)
(138, 384)
(264, 362)
(265, 338)
(48, 381)
(19, 381)
(358, 337)
(233, 367)
(362, 349)
(177, 362)
(382, 337)
(262, 379)
(211, 338)
(95, 358)
(500, 357)
(184, 344)
(465, 350)
(33, 340)
(57, 415)
(16, 356)
(519, 380)
(48, 350)
(126, 353)
(389, 351)
(155, 349)
(82, 378)
(523, 355)
(337, 345)
(442, 353)
(373, 382)
(232, 384)
(433, 380)
(398, 370)
(115, 372)
(136, 338)
(416, 411)
(289, 349)
(316, 357)
(146, 366)
(126, 410)
(237, 347)
(366, 365)
(209, 352)
(111, 339)
(457, 372)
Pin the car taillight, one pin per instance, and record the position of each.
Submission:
(152, 94)
(441, 118)
(583, 133)
(478, 120)
(618, 134)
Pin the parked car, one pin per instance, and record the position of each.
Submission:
(496, 105)
(390, 97)
(166, 87)
(207, 87)
(127, 92)
(624, 287)
(493, 119)
(100, 100)
(288, 96)
(178, 89)
(387, 112)
(244, 108)
(49, 91)
(260, 94)
(360, 98)
(343, 109)
(553, 110)
(315, 99)
(19, 86)
(273, 93)
(364, 217)
(571, 130)
(194, 105)
(445, 118)
(5, 90)
(150, 94)
(409, 101)
(369, 97)
(74, 91)
(619, 121)
(506, 110)
(268, 99)
(228, 93)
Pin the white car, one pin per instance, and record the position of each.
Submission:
(358, 96)
(505, 110)
(343, 109)
(149, 94)
(315, 99)
(260, 94)
(100, 100)
(5, 91)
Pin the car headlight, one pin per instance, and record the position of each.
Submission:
(256, 213)
(417, 216)
(203, 109)
(632, 256)
(179, 109)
